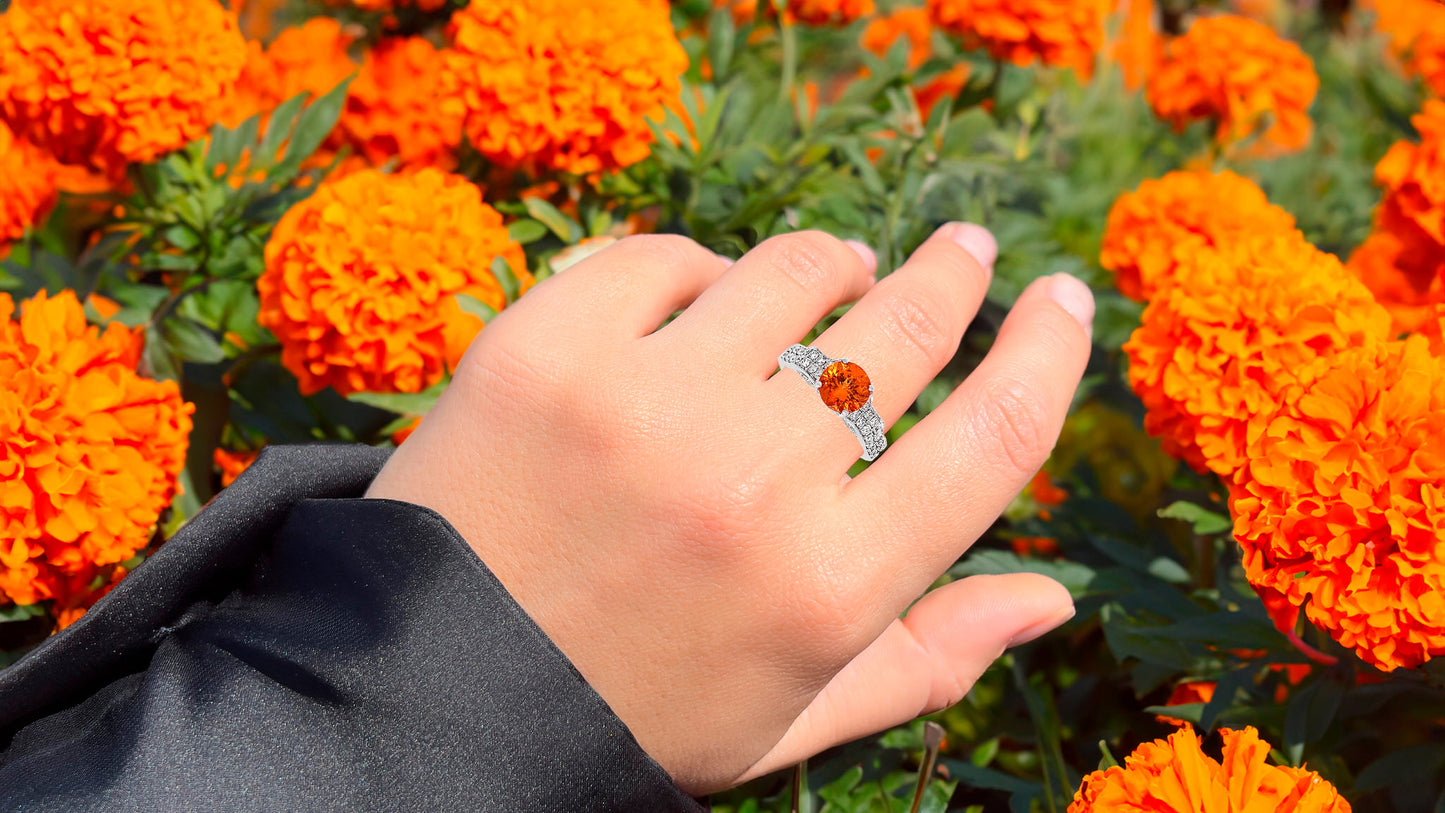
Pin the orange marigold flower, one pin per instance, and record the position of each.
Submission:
(1037, 546)
(1417, 35)
(1166, 222)
(232, 463)
(392, 5)
(1409, 296)
(829, 12)
(399, 436)
(28, 187)
(1174, 775)
(108, 82)
(74, 606)
(1191, 691)
(309, 58)
(1428, 55)
(1044, 491)
(1241, 74)
(559, 84)
(393, 108)
(89, 450)
(1213, 353)
(1139, 47)
(1341, 507)
(1067, 33)
(361, 279)
(1413, 206)
(914, 25)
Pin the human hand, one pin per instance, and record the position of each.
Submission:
(678, 518)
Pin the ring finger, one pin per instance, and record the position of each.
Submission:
(903, 331)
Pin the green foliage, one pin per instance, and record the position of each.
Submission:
(1144, 545)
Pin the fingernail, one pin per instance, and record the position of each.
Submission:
(726, 260)
(865, 251)
(1075, 297)
(976, 240)
(1033, 631)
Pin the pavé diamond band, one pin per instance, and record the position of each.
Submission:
(845, 389)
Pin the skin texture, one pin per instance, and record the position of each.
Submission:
(676, 514)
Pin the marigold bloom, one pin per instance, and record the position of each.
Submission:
(28, 187)
(1191, 691)
(1036, 546)
(232, 463)
(393, 108)
(1176, 776)
(1067, 33)
(309, 58)
(1417, 35)
(1213, 354)
(1139, 47)
(829, 12)
(89, 450)
(1413, 205)
(561, 85)
(1164, 223)
(1341, 506)
(1428, 55)
(108, 82)
(361, 279)
(392, 5)
(914, 25)
(1409, 296)
(399, 436)
(1241, 74)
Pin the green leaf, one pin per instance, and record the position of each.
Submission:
(1183, 711)
(985, 752)
(721, 40)
(1310, 713)
(1074, 576)
(526, 231)
(191, 342)
(157, 359)
(569, 230)
(282, 120)
(476, 307)
(405, 403)
(1416, 764)
(227, 144)
(315, 124)
(21, 612)
(503, 272)
(1205, 522)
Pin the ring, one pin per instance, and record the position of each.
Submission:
(845, 389)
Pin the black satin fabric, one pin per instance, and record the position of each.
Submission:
(296, 647)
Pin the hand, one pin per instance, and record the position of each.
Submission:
(675, 513)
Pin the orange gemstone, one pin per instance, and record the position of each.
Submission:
(844, 386)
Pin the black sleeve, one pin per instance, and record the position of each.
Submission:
(295, 647)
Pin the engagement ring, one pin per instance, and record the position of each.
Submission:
(845, 389)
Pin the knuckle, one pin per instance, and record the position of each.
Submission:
(918, 318)
(812, 260)
(658, 251)
(1015, 417)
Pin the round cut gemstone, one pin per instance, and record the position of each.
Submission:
(844, 386)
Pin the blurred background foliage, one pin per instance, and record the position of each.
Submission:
(778, 129)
